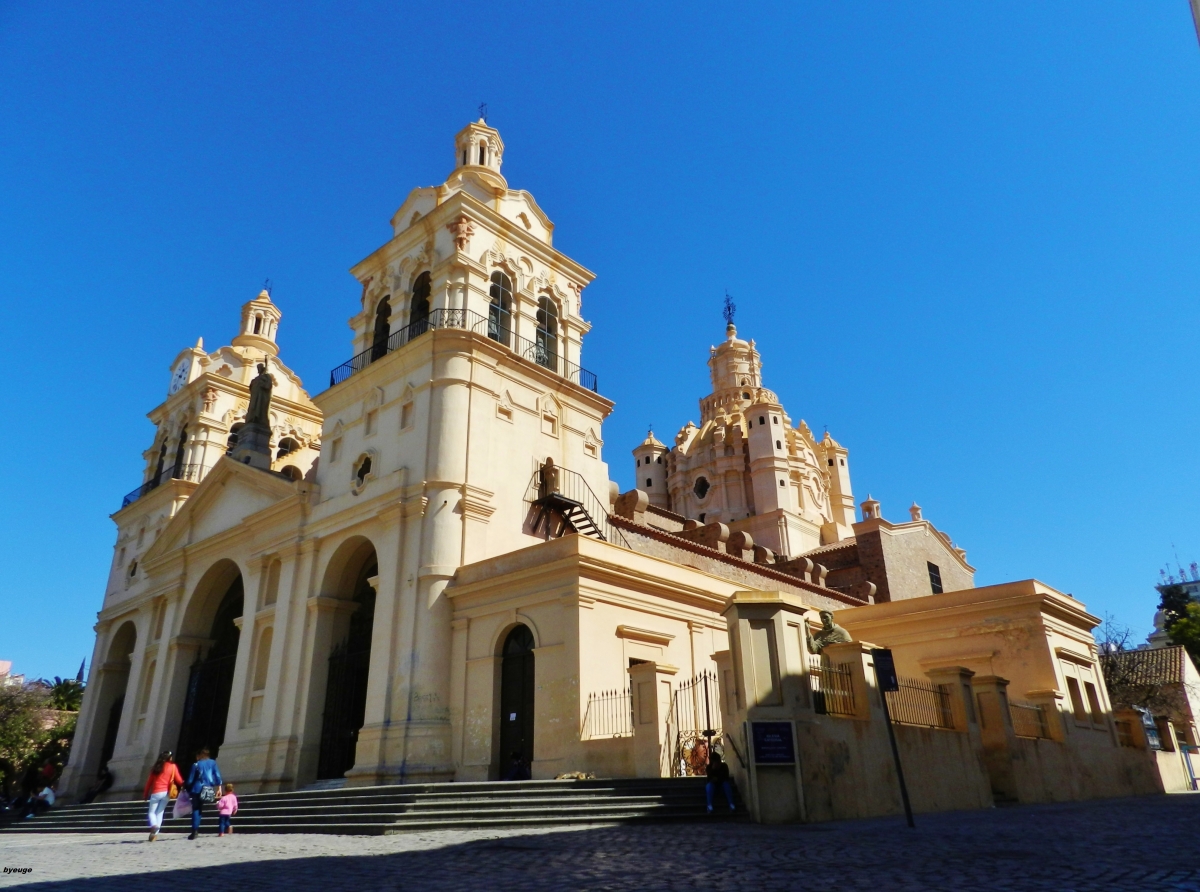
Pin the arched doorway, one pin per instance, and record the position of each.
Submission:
(516, 699)
(111, 704)
(210, 681)
(349, 665)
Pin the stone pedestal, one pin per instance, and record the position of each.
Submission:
(253, 446)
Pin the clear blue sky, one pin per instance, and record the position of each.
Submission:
(964, 236)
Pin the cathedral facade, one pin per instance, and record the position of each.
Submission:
(424, 573)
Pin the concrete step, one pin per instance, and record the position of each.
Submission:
(399, 807)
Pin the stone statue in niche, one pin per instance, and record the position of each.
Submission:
(260, 398)
(829, 633)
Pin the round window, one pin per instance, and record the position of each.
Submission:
(700, 488)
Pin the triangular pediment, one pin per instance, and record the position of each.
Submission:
(229, 494)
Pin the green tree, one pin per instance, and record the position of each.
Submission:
(1181, 617)
(22, 729)
(66, 694)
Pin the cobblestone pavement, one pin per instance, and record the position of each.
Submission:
(1140, 844)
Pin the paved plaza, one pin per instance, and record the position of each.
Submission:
(1136, 844)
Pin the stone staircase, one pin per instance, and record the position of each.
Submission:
(393, 809)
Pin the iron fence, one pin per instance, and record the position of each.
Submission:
(608, 714)
(694, 725)
(920, 702)
(832, 687)
(178, 472)
(544, 352)
(1029, 720)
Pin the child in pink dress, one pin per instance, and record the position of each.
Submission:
(226, 809)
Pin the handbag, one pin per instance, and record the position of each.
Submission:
(183, 805)
(208, 794)
(173, 791)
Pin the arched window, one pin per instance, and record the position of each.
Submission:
(383, 329)
(162, 460)
(258, 324)
(547, 334)
(500, 310)
(291, 472)
(286, 447)
(482, 152)
(418, 309)
(177, 472)
(231, 443)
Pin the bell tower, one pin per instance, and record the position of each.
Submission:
(260, 323)
(478, 149)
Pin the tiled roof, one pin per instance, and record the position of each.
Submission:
(1159, 665)
(759, 569)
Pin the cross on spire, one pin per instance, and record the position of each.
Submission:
(483, 112)
(729, 309)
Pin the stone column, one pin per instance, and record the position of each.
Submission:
(999, 738)
(1051, 702)
(962, 701)
(1137, 730)
(650, 684)
(856, 656)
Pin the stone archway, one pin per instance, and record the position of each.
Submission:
(111, 686)
(214, 611)
(349, 579)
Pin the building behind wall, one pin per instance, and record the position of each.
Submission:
(429, 572)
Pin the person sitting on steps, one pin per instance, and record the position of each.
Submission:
(718, 774)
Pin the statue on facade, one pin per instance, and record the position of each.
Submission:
(258, 412)
(829, 633)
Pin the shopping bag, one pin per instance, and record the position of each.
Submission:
(183, 805)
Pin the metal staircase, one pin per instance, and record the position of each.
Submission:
(564, 503)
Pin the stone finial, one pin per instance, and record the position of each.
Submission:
(915, 511)
(632, 506)
(871, 509)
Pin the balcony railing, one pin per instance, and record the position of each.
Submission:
(182, 472)
(541, 352)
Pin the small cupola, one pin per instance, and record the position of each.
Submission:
(478, 149)
(260, 324)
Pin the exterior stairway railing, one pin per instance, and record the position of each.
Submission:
(555, 490)
(467, 320)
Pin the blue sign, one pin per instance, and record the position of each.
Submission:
(773, 743)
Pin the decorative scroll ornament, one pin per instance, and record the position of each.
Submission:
(462, 230)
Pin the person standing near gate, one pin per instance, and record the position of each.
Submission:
(163, 776)
(203, 786)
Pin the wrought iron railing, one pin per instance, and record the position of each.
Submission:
(694, 725)
(467, 320)
(573, 486)
(920, 702)
(1029, 720)
(182, 472)
(832, 688)
(609, 714)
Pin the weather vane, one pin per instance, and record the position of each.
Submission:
(267, 286)
(483, 112)
(729, 310)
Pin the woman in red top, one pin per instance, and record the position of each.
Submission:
(163, 776)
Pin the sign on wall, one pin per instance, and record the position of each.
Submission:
(773, 743)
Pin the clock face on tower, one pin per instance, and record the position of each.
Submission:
(179, 376)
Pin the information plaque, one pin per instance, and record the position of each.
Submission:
(773, 743)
